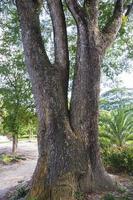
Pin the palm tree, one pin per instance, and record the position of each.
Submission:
(116, 127)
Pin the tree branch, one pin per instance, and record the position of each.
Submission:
(28, 12)
(76, 10)
(60, 41)
(129, 9)
(111, 29)
(60, 33)
(91, 7)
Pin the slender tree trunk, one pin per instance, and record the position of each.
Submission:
(30, 135)
(14, 143)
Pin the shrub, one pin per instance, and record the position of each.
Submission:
(119, 159)
(108, 197)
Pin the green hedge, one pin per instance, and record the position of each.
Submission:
(118, 159)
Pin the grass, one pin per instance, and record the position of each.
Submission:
(9, 158)
(5, 142)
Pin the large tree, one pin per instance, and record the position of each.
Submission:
(69, 157)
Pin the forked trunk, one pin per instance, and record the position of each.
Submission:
(14, 144)
(69, 158)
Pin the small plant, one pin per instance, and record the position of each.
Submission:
(5, 159)
(79, 195)
(108, 197)
(125, 198)
(8, 159)
(121, 190)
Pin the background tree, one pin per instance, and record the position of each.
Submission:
(117, 98)
(118, 57)
(15, 87)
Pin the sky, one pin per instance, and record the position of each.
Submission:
(127, 79)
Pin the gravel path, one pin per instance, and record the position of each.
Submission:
(11, 175)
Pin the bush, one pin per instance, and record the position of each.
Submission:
(119, 159)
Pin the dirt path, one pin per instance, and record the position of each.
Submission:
(10, 175)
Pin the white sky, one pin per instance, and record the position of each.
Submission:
(127, 79)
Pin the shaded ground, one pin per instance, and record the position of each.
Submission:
(11, 175)
(125, 191)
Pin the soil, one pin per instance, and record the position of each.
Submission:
(125, 191)
(12, 174)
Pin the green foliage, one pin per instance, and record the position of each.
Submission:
(118, 159)
(116, 98)
(114, 63)
(109, 197)
(106, 8)
(79, 195)
(118, 57)
(17, 105)
(116, 127)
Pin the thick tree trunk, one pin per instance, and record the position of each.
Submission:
(69, 157)
(14, 143)
(53, 178)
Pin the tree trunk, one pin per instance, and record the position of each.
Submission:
(69, 158)
(14, 143)
(30, 135)
(53, 178)
(84, 108)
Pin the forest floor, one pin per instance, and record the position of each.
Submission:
(18, 172)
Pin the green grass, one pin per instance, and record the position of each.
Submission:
(9, 159)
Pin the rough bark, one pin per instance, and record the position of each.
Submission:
(57, 143)
(84, 105)
(112, 27)
(69, 157)
(60, 41)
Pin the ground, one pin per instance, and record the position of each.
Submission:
(12, 174)
(15, 173)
